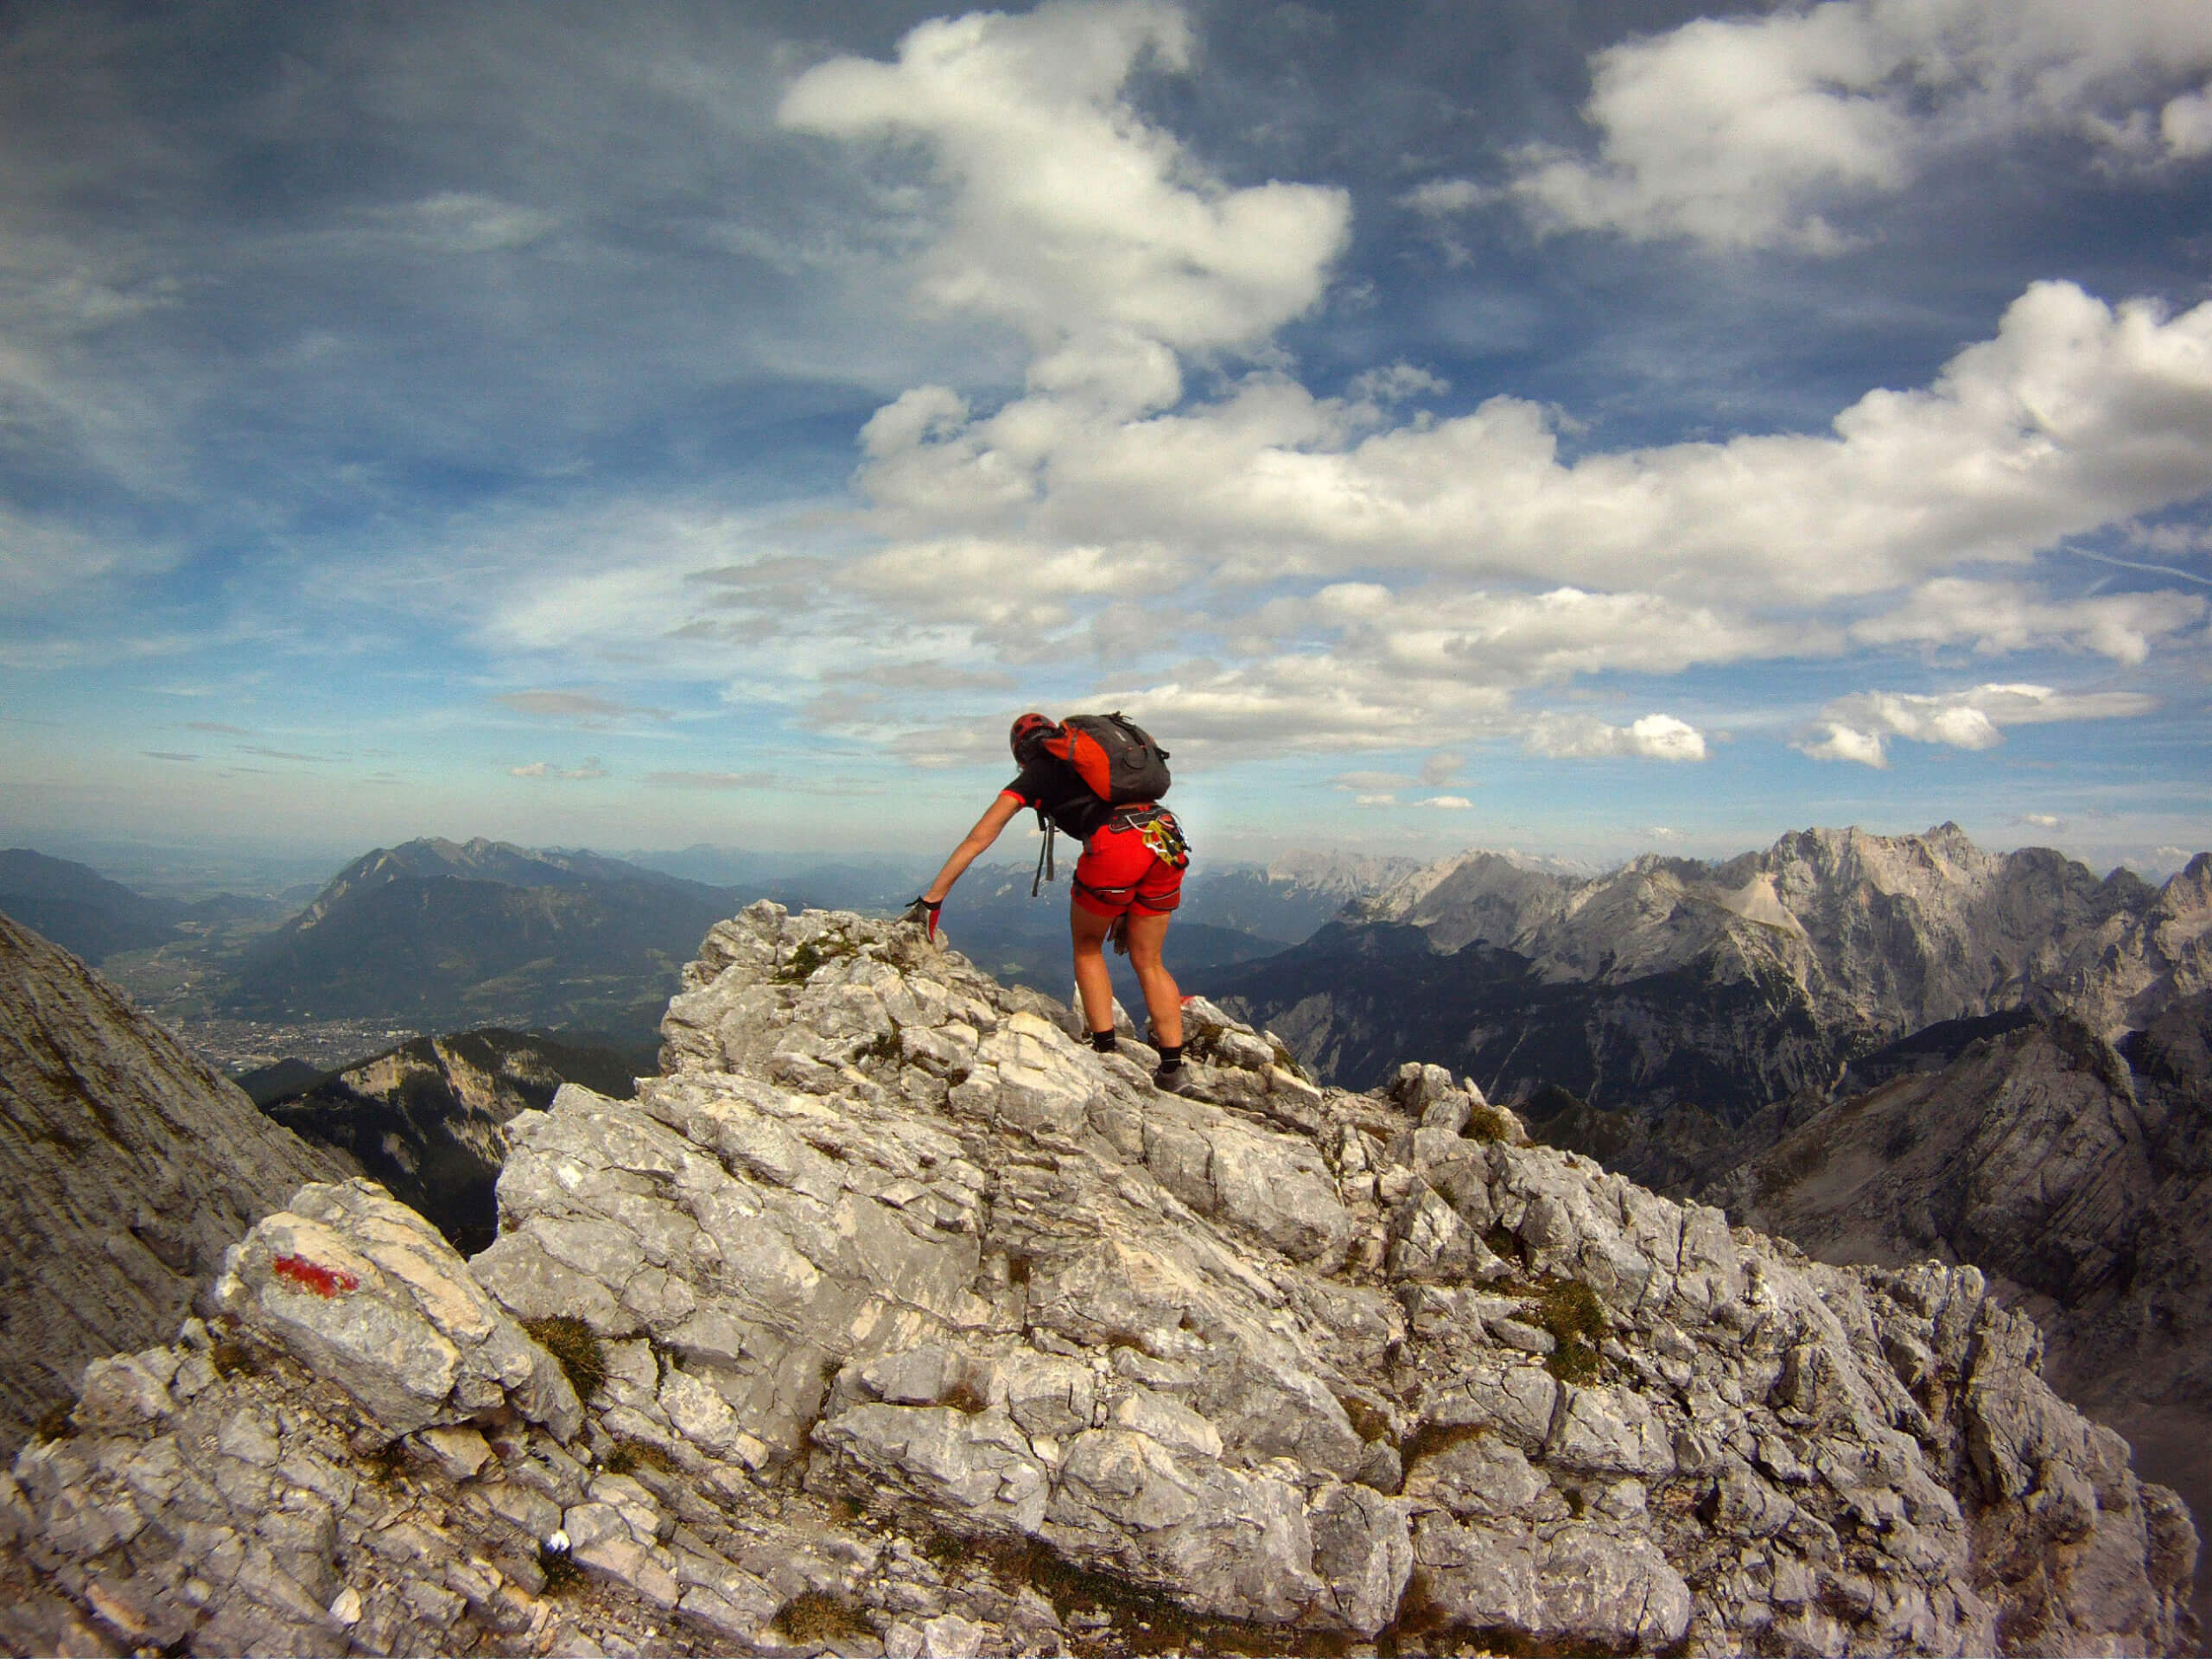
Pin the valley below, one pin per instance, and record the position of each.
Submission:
(437, 936)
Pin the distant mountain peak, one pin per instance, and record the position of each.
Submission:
(480, 932)
(1336, 870)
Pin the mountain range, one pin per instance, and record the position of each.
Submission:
(2077, 1172)
(1725, 985)
(892, 1319)
(436, 934)
(1718, 988)
(86, 913)
(442, 934)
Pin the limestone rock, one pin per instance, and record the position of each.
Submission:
(917, 1319)
(2074, 1174)
(130, 1165)
(428, 1119)
(362, 1290)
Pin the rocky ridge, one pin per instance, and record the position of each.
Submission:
(127, 1167)
(923, 1330)
(2078, 1176)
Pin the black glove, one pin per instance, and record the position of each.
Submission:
(923, 913)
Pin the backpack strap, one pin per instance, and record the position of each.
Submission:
(1044, 854)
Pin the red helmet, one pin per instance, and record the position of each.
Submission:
(1029, 730)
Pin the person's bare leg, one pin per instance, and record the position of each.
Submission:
(1163, 998)
(1092, 982)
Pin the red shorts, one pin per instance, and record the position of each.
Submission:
(1120, 871)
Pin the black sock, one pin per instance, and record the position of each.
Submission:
(1102, 1041)
(1171, 1058)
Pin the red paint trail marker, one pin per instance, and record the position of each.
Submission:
(313, 1276)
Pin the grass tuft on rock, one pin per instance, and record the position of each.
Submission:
(1430, 1437)
(945, 1549)
(1570, 1311)
(54, 1423)
(1106, 1615)
(630, 1456)
(387, 1463)
(560, 1571)
(1368, 1420)
(1487, 1124)
(816, 1616)
(801, 966)
(811, 956)
(575, 1345)
(961, 1396)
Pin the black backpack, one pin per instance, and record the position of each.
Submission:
(1117, 760)
(1114, 755)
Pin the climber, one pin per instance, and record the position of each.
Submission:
(1079, 777)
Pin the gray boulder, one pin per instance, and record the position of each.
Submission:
(363, 1291)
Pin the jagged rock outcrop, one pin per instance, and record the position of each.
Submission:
(128, 1166)
(922, 1323)
(1725, 985)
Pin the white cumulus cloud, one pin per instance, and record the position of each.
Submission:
(1998, 617)
(1262, 566)
(1858, 728)
(1654, 737)
(1739, 131)
(2185, 124)
(1071, 216)
(2075, 416)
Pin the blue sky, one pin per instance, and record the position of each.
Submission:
(1584, 428)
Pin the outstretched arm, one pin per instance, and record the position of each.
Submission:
(1000, 814)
